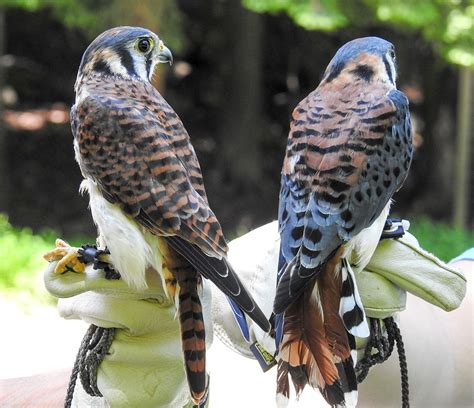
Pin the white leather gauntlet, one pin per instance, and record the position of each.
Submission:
(144, 365)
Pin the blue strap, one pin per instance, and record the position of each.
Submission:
(393, 228)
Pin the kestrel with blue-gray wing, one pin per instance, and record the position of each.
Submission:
(146, 190)
(349, 151)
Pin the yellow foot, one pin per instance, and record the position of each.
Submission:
(66, 256)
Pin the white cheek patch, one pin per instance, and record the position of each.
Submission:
(116, 65)
(392, 69)
(140, 67)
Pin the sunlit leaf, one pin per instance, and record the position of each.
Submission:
(447, 24)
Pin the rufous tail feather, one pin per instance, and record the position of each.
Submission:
(315, 346)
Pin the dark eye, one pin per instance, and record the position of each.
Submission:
(392, 54)
(144, 45)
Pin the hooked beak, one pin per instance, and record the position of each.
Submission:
(165, 54)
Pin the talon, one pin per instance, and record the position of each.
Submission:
(61, 250)
(55, 254)
(61, 244)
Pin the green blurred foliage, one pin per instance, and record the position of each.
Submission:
(323, 15)
(21, 254)
(95, 16)
(447, 24)
(440, 239)
(72, 12)
(22, 263)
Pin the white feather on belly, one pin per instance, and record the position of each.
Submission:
(132, 250)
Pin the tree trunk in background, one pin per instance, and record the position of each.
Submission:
(241, 112)
(462, 155)
(3, 141)
(431, 176)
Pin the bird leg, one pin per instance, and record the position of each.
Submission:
(167, 265)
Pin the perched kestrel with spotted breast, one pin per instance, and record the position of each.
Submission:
(349, 151)
(146, 190)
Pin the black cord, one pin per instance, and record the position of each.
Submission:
(76, 367)
(394, 332)
(383, 344)
(92, 351)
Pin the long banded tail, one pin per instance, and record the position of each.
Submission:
(316, 348)
(192, 332)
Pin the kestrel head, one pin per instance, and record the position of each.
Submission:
(368, 59)
(124, 51)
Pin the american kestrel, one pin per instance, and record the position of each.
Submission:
(146, 190)
(349, 151)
